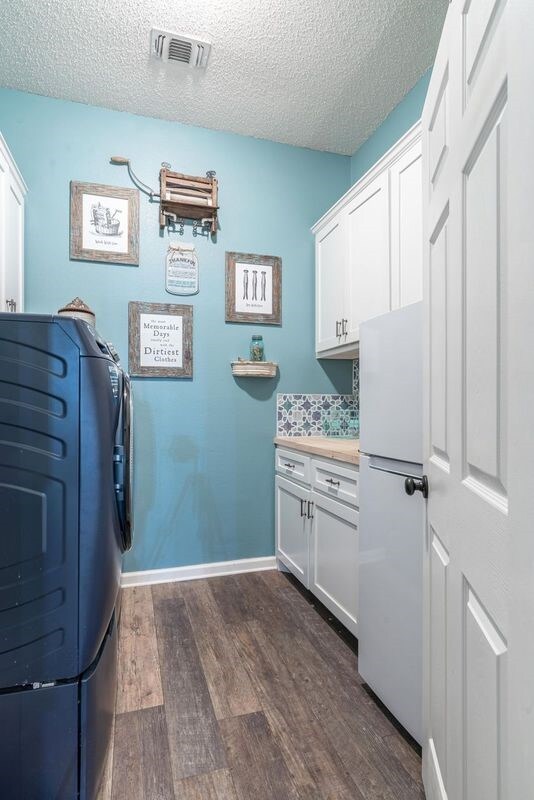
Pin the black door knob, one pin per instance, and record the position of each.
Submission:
(412, 485)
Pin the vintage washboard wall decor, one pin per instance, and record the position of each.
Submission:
(188, 197)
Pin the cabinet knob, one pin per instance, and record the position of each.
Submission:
(332, 482)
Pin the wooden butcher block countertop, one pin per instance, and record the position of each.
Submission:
(347, 450)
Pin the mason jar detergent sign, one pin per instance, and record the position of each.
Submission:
(181, 269)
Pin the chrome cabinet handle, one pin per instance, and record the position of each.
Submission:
(310, 509)
(338, 325)
(393, 471)
(412, 483)
(344, 323)
(288, 465)
(332, 482)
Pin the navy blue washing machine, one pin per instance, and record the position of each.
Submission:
(65, 521)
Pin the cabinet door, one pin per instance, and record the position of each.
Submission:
(292, 527)
(334, 558)
(407, 228)
(330, 261)
(368, 282)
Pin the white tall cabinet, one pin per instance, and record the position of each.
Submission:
(368, 249)
(12, 193)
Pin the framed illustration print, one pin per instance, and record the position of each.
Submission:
(160, 340)
(253, 288)
(104, 223)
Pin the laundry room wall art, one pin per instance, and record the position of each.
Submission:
(104, 223)
(181, 269)
(160, 340)
(253, 288)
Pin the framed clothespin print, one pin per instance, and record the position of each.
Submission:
(253, 289)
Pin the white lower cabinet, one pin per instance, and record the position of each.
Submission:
(334, 558)
(292, 547)
(317, 536)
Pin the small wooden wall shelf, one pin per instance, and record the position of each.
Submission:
(254, 369)
(188, 197)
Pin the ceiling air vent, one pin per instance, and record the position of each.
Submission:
(167, 46)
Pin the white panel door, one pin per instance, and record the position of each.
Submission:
(520, 301)
(368, 269)
(4, 187)
(467, 575)
(292, 527)
(330, 261)
(407, 228)
(334, 558)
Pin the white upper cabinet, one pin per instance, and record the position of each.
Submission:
(368, 279)
(12, 192)
(407, 228)
(369, 249)
(331, 260)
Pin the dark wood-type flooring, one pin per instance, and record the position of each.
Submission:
(236, 688)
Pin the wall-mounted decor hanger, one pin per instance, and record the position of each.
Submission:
(188, 197)
(180, 196)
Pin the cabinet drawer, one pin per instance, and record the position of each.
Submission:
(293, 465)
(336, 481)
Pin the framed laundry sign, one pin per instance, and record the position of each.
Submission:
(160, 340)
(253, 289)
(104, 223)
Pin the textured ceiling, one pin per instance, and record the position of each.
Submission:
(316, 73)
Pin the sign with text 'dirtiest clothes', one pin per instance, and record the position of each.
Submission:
(160, 340)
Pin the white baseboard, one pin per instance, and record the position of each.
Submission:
(150, 576)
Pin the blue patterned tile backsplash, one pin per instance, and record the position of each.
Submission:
(356, 381)
(304, 414)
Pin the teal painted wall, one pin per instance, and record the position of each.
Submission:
(204, 455)
(403, 116)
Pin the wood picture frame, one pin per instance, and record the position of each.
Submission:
(104, 223)
(160, 340)
(253, 291)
